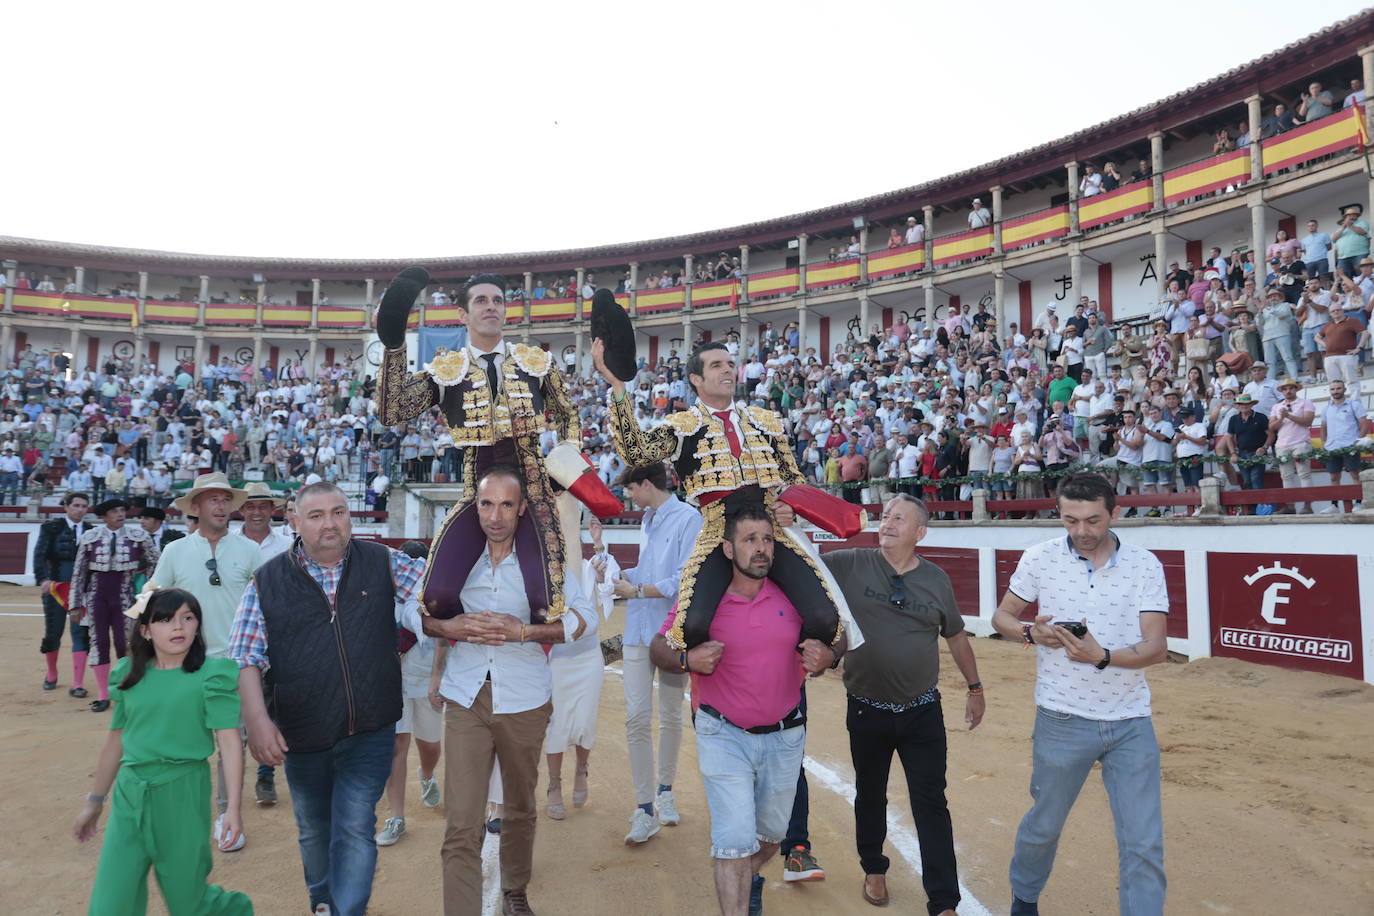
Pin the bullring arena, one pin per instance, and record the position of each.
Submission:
(1263, 710)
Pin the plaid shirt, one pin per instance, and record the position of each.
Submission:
(248, 638)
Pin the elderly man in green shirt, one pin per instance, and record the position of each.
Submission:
(214, 564)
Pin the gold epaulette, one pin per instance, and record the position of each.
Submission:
(448, 368)
(533, 360)
(766, 420)
(685, 422)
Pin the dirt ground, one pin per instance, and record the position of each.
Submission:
(1267, 794)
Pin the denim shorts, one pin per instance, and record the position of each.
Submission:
(751, 782)
(1155, 474)
(1191, 474)
(1348, 462)
(1310, 344)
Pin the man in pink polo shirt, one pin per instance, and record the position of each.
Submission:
(746, 682)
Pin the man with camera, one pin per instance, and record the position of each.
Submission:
(1101, 622)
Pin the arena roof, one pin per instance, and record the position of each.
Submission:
(1293, 63)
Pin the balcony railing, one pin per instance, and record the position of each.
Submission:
(1336, 133)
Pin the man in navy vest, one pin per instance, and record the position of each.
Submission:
(320, 681)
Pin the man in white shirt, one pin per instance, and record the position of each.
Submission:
(1262, 388)
(978, 215)
(1080, 404)
(906, 463)
(496, 679)
(11, 471)
(1088, 686)
(101, 464)
(915, 231)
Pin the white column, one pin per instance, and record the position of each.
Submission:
(581, 279)
(1254, 110)
(997, 220)
(200, 312)
(1259, 232)
(80, 278)
(929, 289)
(928, 220)
(863, 313)
(315, 315)
(1076, 271)
(1157, 167)
(1072, 168)
(744, 271)
(634, 287)
(999, 290)
(1161, 251)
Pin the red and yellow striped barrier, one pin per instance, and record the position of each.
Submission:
(774, 283)
(286, 316)
(903, 260)
(713, 293)
(39, 303)
(1203, 177)
(1333, 133)
(836, 273)
(335, 316)
(661, 300)
(551, 310)
(1032, 228)
(1136, 197)
(173, 313)
(223, 314)
(972, 244)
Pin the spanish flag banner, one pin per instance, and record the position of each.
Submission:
(1334, 133)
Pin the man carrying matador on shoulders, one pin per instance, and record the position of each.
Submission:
(497, 398)
(726, 456)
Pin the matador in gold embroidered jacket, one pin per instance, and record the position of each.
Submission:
(758, 465)
(499, 426)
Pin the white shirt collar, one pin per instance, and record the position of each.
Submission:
(499, 350)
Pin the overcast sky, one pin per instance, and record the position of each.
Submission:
(429, 129)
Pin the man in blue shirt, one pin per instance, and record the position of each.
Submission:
(1315, 246)
(669, 530)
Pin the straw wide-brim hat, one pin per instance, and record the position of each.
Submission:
(259, 490)
(204, 484)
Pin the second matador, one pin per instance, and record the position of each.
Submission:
(497, 398)
(727, 455)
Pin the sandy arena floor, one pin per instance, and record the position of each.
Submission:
(1267, 791)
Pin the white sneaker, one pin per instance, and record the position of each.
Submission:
(429, 788)
(642, 827)
(323, 910)
(667, 809)
(392, 831)
(219, 829)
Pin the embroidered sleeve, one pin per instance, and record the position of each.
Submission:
(771, 424)
(560, 407)
(636, 447)
(401, 394)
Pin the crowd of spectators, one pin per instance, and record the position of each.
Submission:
(934, 409)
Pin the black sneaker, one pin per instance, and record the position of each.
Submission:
(494, 825)
(265, 791)
(756, 896)
(800, 865)
(1021, 907)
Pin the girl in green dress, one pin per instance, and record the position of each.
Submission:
(172, 706)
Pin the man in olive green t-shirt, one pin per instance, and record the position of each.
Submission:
(903, 604)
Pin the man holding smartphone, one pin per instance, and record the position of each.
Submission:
(1092, 701)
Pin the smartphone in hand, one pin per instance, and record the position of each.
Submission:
(1076, 627)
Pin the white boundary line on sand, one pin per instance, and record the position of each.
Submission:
(2, 614)
(902, 838)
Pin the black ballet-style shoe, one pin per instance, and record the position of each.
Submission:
(78, 692)
(100, 705)
(49, 685)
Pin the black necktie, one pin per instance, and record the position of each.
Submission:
(491, 373)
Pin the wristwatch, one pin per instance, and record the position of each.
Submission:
(639, 591)
(1106, 659)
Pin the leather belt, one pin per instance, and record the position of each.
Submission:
(791, 720)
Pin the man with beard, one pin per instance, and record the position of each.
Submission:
(746, 679)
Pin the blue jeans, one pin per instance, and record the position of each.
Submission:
(1065, 749)
(334, 794)
(1279, 352)
(1251, 476)
(798, 825)
(9, 483)
(750, 781)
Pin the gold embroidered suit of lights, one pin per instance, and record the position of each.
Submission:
(765, 459)
(478, 417)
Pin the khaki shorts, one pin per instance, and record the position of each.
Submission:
(420, 719)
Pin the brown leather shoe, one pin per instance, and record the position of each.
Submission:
(875, 890)
(515, 903)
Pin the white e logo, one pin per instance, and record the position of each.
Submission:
(1274, 595)
(1277, 592)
